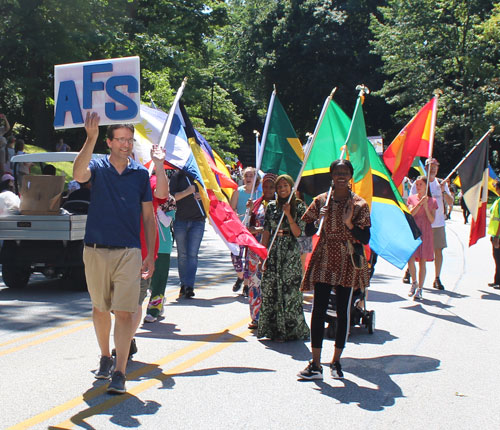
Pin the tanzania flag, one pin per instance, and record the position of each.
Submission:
(412, 141)
(474, 178)
(282, 149)
(389, 214)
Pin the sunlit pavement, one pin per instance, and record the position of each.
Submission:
(431, 365)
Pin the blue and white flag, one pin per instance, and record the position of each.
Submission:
(178, 151)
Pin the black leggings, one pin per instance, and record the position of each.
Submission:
(496, 256)
(320, 305)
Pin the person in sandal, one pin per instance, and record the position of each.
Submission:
(333, 265)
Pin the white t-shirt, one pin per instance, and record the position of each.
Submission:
(438, 195)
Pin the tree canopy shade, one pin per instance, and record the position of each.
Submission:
(429, 44)
(233, 52)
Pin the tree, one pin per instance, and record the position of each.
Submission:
(426, 45)
(305, 47)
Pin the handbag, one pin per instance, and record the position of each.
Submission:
(357, 253)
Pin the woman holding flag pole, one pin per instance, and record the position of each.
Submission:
(346, 219)
(295, 227)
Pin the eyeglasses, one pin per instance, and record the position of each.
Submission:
(123, 140)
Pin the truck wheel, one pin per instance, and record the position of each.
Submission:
(76, 279)
(16, 276)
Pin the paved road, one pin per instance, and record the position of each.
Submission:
(428, 366)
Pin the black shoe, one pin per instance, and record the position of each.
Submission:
(245, 291)
(437, 284)
(117, 384)
(189, 292)
(237, 284)
(336, 370)
(105, 368)
(492, 284)
(496, 287)
(182, 292)
(311, 372)
(407, 277)
(132, 350)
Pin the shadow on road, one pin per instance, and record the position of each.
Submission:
(450, 317)
(382, 297)
(54, 302)
(168, 331)
(209, 303)
(127, 415)
(488, 295)
(296, 349)
(376, 371)
(359, 336)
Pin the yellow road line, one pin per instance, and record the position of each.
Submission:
(44, 339)
(41, 332)
(137, 389)
(91, 394)
(70, 331)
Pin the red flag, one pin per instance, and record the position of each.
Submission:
(413, 141)
(231, 228)
(474, 176)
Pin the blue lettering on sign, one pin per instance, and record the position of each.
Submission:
(89, 85)
(133, 87)
(67, 100)
(67, 97)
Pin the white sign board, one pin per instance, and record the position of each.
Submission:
(109, 87)
(378, 143)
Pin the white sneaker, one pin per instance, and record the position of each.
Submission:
(149, 319)
(418, 294)
(413, 287)
(162, 307)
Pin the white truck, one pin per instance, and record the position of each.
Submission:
(49, 244)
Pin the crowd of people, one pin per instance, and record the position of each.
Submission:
(134, 219)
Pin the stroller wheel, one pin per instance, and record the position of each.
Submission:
(370, 322)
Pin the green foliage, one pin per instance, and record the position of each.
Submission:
(233, 52)
(427, 45)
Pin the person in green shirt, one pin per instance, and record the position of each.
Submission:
(494, 232)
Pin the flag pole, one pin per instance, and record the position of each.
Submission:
(257, 146)
(258, 161)
(264, 138)
(432, 132)
(362, 91)
(470, 152)
(168, 123)
(329, 195)
(306, 157)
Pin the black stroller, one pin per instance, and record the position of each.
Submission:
(360, 316)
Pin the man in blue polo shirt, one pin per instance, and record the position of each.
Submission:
(121, 194)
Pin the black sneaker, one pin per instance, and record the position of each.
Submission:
(105, 368)
(311, 372)
(189, 292)
(437, 284)
(245, 291)
(132, 350)
(117, 384)
(237, 284)
(336, 370)
(182, 292)
(407, 277)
